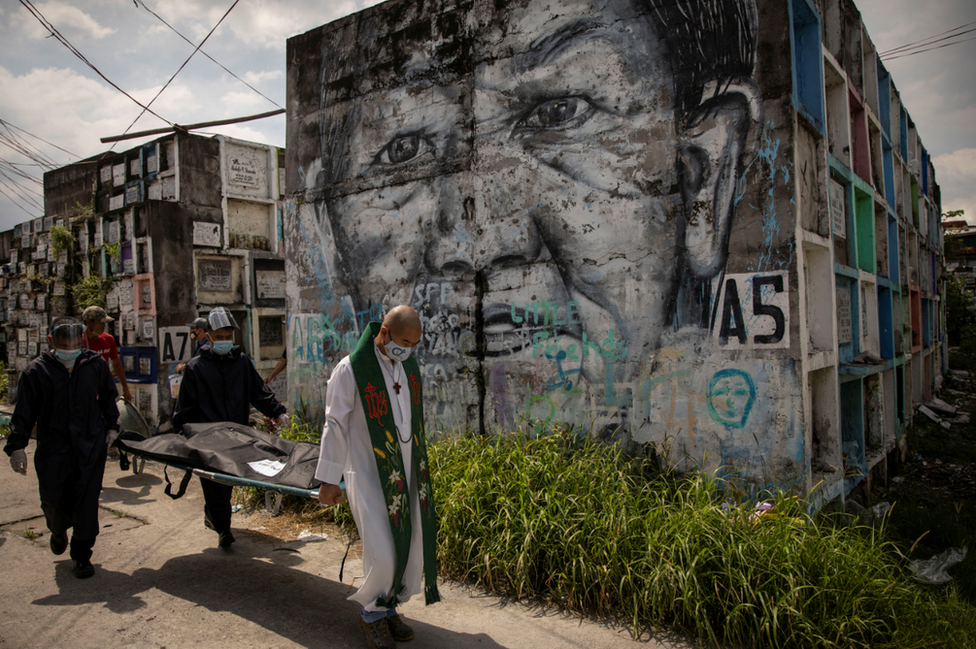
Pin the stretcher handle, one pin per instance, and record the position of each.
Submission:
(235, 481)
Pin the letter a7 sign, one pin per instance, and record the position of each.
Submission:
(752, 311)
(175, 345)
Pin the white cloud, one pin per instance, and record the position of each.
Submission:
(271, 23)
(251, 131)
(65, 106)
(956, 175)
(263, 76)
(895, 23)
(159, 30)
(258, 23)
(73, 112)
(68, 20)
(956, 166)
(239, 102)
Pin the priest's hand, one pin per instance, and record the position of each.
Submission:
(331, 494)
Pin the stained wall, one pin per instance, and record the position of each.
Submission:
(592, 205)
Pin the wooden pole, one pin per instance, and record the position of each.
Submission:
(189, 127)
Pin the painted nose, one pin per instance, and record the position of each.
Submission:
(478, 226)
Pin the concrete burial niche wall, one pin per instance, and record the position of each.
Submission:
(595, 222)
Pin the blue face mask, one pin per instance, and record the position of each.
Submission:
(67, 356)
(223, 347)
(396, 352)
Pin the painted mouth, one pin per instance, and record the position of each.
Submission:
(509, 329)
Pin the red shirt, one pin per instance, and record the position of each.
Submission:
(104, 345)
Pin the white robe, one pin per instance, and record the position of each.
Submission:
(346, 451)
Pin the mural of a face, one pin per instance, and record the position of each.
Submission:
(731, 394)
(554, 197)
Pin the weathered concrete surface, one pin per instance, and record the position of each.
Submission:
(535, 207)
(160, 581)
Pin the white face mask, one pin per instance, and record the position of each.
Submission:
(396, 352)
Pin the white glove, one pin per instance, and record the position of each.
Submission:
(284, 421)
(18, 462)
(111, 435)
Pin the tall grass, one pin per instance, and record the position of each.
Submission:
(583, 526)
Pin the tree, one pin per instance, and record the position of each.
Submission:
(959, 309)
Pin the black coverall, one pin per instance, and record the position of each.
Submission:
(221, 388)
(72, 410)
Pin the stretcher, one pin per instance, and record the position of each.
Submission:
(227, 453)
(272, 492)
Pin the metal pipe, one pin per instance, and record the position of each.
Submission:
(235, 481)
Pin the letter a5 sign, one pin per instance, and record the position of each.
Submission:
(751, 311)
(175, 345)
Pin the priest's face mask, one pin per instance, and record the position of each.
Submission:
(400, 345)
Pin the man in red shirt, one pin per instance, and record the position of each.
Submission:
(97, 340)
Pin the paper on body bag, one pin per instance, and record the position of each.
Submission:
(267, 467)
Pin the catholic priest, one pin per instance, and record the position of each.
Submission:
(374, 440)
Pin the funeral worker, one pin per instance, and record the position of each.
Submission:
(374, 438)
(198, 333)
(69, 394)
(97, 339)
(221, 384)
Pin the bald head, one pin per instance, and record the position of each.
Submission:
(402, 327)
(401, 318)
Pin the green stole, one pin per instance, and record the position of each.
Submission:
(386, 450)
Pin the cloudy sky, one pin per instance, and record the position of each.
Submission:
(57, 107)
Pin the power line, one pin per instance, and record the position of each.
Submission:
(64, 41)
(930, 43)
(14, 190)
(21, 188)
(924, 41)
(146, 108)
(9, 126)
(27, 198)
(22, 164)
(12, 167)
(18, 145)
(937, 47)
(3, 172)
(144, 6)
(33, 215)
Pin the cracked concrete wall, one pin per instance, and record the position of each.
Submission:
(591, 205)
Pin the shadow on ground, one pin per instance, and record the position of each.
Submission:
(308, 610)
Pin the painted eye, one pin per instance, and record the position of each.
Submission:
(403, 149)
(565, 112)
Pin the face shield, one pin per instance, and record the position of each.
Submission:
(68, 335)
(220, 318)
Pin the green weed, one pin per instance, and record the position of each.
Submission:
(581, 525)
(4, 378)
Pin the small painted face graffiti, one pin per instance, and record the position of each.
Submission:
(731, 394)
(562, 214)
